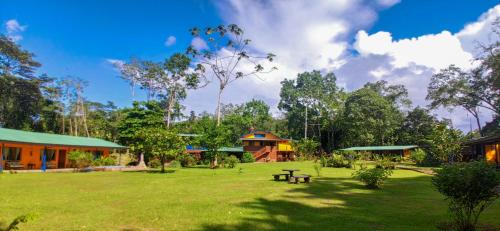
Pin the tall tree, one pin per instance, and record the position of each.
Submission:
(450, 88)
(21, 98)
(168, 80)
(14, 61)
(226, 51)
(369, 119)
(163, 144)
(311, 104)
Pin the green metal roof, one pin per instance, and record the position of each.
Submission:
(11, 135)
(380, 148)
(229, 149)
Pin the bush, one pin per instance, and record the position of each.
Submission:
(174, 164)
(104, 161)
(186, 160)
(418, 156)
(385, 163)
(231, 161)
(154, 163)
(337, 161)
(317, 168)
(80, 159)
(351, 157)
(469, 189)
(372, 177)
(247, 158)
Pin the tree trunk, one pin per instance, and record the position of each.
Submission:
(218, 105)
(171, 101)
(162, 160)
(475, 113)
(305, 126)
(63, 124)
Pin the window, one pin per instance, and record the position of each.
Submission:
(12, 154)
(97, 154)
(50, 154)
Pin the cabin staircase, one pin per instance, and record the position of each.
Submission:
(262, 154)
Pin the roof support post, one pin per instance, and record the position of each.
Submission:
(1, 157)
(44, 159)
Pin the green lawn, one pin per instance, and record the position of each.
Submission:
(224, 199)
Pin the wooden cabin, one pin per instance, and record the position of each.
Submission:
(22, 150)
(267, 147)
(484, 148)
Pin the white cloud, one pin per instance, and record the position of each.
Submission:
(388, 3)
(170, 41)
(198, 43)
(14, 28)
(434, 50)
(479, 31)
(317, 35)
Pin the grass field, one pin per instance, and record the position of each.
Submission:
(224, 199)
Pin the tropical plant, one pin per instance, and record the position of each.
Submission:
(469, 189)
(418, 156)
(154, 163)
(373, 178)
(305, 148)
(317, 168)
(80, 159)
(231, 161)
(247, 158)
(14, 225)
(163, 144)
(186, 160)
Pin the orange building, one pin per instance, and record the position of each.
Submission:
(267, 147)
(26, 150)
(484, 148)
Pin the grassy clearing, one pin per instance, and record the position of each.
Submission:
(224, 199)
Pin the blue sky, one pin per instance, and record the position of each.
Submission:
(78, 37)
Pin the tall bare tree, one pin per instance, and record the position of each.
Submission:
(226, 52)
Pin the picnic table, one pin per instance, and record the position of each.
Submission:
(291, 171)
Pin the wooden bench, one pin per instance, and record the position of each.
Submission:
(295, 179)
(14, 165)
(277, 176)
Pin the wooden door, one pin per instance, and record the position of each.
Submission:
(61, 162)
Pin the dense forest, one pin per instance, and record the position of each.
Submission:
(312, 104)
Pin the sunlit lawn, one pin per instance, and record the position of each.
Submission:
(223, 199)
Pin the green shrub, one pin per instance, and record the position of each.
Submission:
(323, 161)
(385, 163)
(174, 164)
(351, 157)
(317, 168)
(80, 159)
(231, 161)
(469, 189)
(14, 225)
(104, 161)
(154, 163)
(247, 158)
(186, 160)
(372, 177)
(418, 156)
(337, 161)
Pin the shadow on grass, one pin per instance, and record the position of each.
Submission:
(344, 204)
